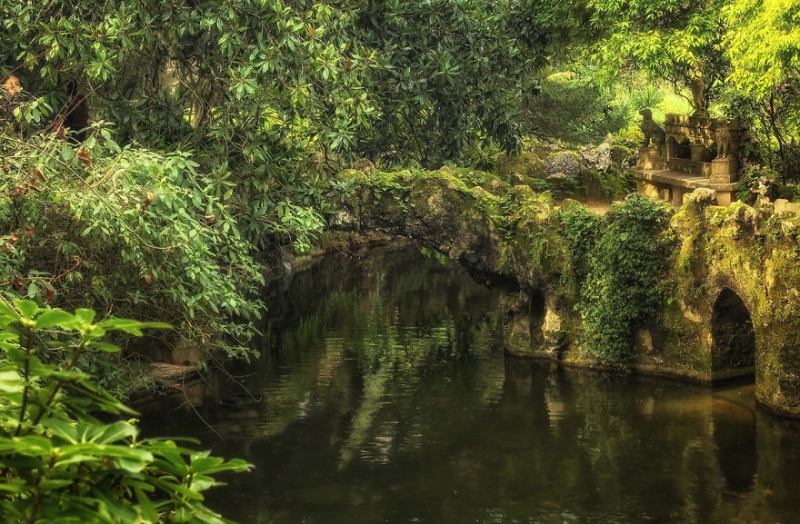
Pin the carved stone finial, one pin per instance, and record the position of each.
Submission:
(651, 130)
(699, 94)
(722, 136)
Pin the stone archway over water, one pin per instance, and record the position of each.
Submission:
(731, 314)
(733, 346)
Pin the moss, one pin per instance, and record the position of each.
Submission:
(473, 178)
(525, 164)
(517, 233)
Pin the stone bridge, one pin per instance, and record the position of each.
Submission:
(733, 309)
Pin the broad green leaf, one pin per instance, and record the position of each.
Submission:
(55, 484)
(13, 486)
(113, 432)
(133, 327)
(61, 429)
(26, 308)
(7, 311)
(149, 511)
(85, 315)
(55, 317)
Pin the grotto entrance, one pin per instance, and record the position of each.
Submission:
(733, 339)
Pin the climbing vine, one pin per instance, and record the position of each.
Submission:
(619, 269)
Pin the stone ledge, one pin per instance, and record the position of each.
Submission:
(678, 179)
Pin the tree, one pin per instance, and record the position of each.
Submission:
(764, 50)
(664, 39)
(123, 229)
(448, 73)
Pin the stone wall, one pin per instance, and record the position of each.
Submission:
(732, 307)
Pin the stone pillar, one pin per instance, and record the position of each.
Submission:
(725, 198)
(677, 196)
(724, 170)
(648, 189)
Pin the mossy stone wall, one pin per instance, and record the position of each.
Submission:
(511, 237)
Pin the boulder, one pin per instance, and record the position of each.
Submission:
(700, 198)
(597, 158)
(564, 163)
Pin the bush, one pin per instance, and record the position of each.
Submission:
(60, 462)
(126, 229)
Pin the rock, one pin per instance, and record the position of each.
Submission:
(344, 219)
(555, 338)
(562, 185)
(644, 340)
(187, 353)
(565, 164)
(171, 374)
(700, 198)
(521, 193)
(525, 164)
(780, 205)
(624, 157)
(766, 187)
(597, 158)
(788, 228)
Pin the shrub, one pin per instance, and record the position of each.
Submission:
(59, 461)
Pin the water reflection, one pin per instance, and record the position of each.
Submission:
(387, 399)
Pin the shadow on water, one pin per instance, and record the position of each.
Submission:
(387, 399)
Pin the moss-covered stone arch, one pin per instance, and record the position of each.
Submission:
(733, 341)
(515, 240)
(742, 257)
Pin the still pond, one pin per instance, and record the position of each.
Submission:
(382, 395)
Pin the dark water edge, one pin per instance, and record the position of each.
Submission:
(383, 396)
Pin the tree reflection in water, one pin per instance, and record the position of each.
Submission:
(387, 399)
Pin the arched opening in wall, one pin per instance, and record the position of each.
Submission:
(733, 347)
(537, 309)
(537, 313)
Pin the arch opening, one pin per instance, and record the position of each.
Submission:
(733, 349)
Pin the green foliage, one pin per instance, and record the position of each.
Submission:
(127, 230)
(582, 229)
(254, 89)
(618, 269)
(662, 38)
(60, 462)
(765, 48)
(447, 73)
(484, 155)
(570, 107)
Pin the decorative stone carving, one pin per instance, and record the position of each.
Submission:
(700, 152)
(723, 138)
(651, 130)
(699, 94)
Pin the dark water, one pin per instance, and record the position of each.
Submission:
(387, 399)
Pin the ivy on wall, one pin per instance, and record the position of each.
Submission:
(617, 264)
